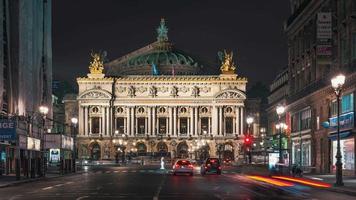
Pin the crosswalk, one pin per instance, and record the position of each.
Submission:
(144, 171)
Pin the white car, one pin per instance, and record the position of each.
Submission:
(183, 166)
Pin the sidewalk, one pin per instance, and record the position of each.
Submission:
(349, 182)
(10, 180)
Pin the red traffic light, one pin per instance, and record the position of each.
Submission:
(248, 140)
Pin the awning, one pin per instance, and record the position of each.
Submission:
(343, 135)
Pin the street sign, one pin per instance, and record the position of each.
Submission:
(7, 130)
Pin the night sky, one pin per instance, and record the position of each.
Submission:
(253, 29)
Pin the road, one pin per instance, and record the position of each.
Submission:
(149, 182)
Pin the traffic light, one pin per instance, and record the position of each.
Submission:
(248, 140)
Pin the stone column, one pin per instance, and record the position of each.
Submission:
(220, 121)
(128, 119)
(125, 125)
(149, 120)
(196, 123)
(175, 121)
(108, 132)
(133, 121)
(154, 121)
(170, 111)
(81, 121)
(237, 120)
(178, 127)
(214, 119)
(209, 125)
(191, 121)
(241, 120)
(86, 122)
(167, 125)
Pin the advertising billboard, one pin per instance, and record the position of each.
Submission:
(67, 142)
(7, 130)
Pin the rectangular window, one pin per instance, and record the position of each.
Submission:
(343, 49)
(295, 122)
(120, 125)
(228, 125)
(95, 125)
(141, 125)
(347, 103)
(183, 125)
(204, 125)
(162, 125)
(354, 45)
(305, 119)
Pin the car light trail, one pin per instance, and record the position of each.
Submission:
(303, 181)
(271, 181)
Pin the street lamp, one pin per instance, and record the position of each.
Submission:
(337, 82)
(249, 121)
(43, 111)
(280, 111)
(74, 121)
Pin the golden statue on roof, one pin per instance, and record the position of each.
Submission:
(227, 64)
(97, 64)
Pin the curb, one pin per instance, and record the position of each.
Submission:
(36, 179)
(348, 192)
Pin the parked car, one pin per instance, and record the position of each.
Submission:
(183, 166)
(211, 165)
(227, 161)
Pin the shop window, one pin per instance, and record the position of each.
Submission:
(347, 153)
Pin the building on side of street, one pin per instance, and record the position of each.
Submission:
(278, 96)
(25, 83)
(322, 42)
(160, 106)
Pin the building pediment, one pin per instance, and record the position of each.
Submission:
(95, 94)
(231, 94)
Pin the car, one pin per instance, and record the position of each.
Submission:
(183, 166)
(227, 161)
(211, 165)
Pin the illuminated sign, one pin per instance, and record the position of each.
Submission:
(346, 122)
(33, 144)
(7, 129)
(54, 155)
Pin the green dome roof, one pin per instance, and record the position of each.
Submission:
(162, 58)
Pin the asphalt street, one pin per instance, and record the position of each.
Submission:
(149, 182)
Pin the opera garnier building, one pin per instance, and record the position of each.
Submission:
(158, 101)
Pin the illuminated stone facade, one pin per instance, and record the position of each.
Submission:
(174, 115)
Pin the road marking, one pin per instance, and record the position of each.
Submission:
(83, 197)
(47, 188)
(116, 171)
(155, 197)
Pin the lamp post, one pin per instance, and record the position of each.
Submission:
(74, 121)
(280, 111)
(263, 142)
(249, 121)
(44, 111)
(337, 82)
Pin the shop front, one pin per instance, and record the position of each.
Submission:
(59, 151)
(347, 142)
